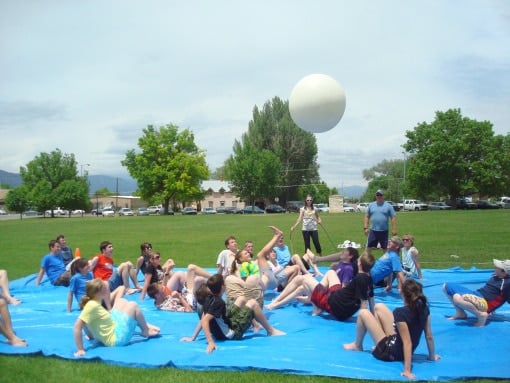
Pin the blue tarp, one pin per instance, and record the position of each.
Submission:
(312, 346)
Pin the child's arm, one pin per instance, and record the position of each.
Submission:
(69, 300)
(78, 327)
(206, 318)
(39, 277)
(192, 338)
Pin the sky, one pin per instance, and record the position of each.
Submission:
(88, 76)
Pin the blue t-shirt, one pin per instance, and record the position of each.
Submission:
(384, 266)
(78, 283)
(54, 266)
(379, 215)
(282, 255)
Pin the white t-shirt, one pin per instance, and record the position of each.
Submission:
(225, 259)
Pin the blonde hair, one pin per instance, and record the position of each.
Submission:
(93, 288)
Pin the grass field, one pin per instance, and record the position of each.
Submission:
(444, 238)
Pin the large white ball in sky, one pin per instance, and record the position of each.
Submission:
(317, 103)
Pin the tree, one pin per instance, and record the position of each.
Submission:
(387, 175)
(18, 200)
(253, 173)
(272, 129)
(455, 156)
(45, 175)
(169, 167)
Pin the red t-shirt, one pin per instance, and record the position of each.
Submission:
(104, 267)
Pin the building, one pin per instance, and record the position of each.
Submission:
(218, 193)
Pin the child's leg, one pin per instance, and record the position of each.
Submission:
(177, 281)
(124, 271)
(6, 326)
(133, 310)
(296, 260)
(4, 287)
(330, 279)
(261, 318)
(365, 322)
(385, 318)
(308, 257)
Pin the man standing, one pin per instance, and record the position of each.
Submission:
(377, 215)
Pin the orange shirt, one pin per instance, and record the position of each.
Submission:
(104, 267)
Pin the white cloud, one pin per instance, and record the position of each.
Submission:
(87, 77)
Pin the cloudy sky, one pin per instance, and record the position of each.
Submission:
(88, 76)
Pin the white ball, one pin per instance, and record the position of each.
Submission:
(317, 103)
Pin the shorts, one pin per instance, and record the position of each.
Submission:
(281, 277)
(115, 281)
(63, 279)
(455, 288)
(387, 349)
(377, 238)
(240, 319)
(124, 327)
(320, 296)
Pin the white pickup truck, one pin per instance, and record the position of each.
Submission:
(414, 205)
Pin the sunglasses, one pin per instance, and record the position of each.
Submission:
(156, 257)
(405, 239)
(309, 200)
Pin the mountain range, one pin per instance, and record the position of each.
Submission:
(127, 186)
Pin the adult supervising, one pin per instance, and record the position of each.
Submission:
(377, 216)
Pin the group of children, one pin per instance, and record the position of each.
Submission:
(242, 278)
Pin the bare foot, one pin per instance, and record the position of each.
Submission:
(455, 317)
(275, 332)
(269, 306)
(131, 291)
(316, 311)
(482, 318)
(303, 299)
(257, 327)
(318, 274)
(155, 328)
(352, 347)
(152, 332)
(310, 256)
(13, 301)
(17, 342)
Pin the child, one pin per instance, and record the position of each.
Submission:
(53, 265)
(167, 300)
(394, 333)
(220, 322)
(410, 254)
(113, 328)
(6, 325)
(81, 274)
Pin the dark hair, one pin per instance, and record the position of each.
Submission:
(144, 245)
(52, 243)
(60, 236)
(202, 293)
(78, 264)
(412, 292)
(228, 240)
(153, 289)
(104, 245)
(354, 259)
(215, 283)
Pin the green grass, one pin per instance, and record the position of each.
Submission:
(475, 237)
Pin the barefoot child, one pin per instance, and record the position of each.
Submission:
(220, 322)
(113, 328)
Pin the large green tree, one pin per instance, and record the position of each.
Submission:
(387, 175)
(455, 156)
(253, 173)
(18, 200)
(273, 129)
(52, 179)
(169, 166)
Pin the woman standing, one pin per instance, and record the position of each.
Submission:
(310, 217)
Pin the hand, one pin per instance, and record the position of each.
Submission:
(292, 228)
(187, 339)
(79, 353)
(211, 347)
(434, 358)
(408, 374)
(393, 233)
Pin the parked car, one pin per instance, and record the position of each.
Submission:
(348, 208)
(322, 207)
(3, 212)
(362, 207)
(153, 209)
(504, 202)
(108, 212)
(142, 211)
(233, 210)
(169, 212)
(125, 211)
(208, 210)
(220, 209)
(439, 206)
(464, 203)
(57, 211)
(275, 209)
(414, 205)
(78, 212)
(189, 211)
(484, 204)
(396, 206)
(294, 206)
(252, 209)
(31, 213)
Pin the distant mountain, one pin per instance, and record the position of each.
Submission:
(122, 186)
(352, 191)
